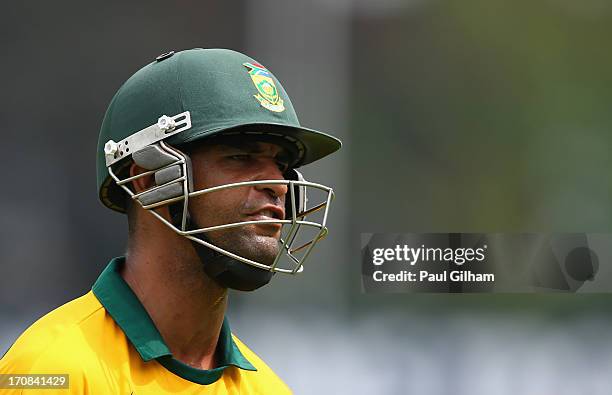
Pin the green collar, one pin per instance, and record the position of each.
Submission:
(122, 304)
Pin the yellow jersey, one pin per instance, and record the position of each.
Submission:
(107, 343)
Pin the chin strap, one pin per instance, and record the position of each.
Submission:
(229, 272)
(226, 271)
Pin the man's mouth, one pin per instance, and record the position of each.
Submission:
(268, 212)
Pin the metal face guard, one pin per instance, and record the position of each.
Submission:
(172, 171)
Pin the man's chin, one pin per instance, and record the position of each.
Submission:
(259, 248)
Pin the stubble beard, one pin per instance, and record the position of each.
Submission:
(245, 242)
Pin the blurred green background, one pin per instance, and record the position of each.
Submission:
(485, 116)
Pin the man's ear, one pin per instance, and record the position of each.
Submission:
(141, 183)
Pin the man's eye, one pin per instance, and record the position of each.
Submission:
(282, 166)
(241, 157)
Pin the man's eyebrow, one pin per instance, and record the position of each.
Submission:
(243, 145)
(251, 147)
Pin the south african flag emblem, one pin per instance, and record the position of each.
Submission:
(267, 94)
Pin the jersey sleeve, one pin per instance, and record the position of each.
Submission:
(26, 357)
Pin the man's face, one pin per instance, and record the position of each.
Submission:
(231, 162)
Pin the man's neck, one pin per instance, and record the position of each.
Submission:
(186, 305)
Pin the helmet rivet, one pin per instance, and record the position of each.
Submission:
(166, 123)
(110, 147)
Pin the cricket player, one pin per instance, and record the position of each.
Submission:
(199, 149)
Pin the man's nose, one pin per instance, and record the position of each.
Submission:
(269, 171)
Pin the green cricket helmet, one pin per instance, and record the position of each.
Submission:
(222, 90)
(190, 96)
